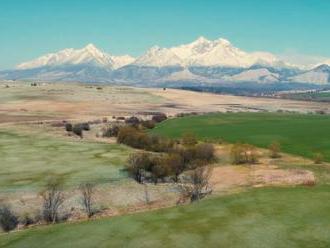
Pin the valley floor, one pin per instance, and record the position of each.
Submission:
(265, 204)
(269, 217)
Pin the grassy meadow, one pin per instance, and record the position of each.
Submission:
(298, 134)
(268, 217)
(29, 160)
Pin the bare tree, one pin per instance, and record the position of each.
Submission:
(87, 192)
(198, 185)
(53, 198)
(146, 194)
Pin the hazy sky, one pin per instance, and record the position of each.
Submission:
(30, 28)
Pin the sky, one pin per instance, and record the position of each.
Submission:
(298, 29)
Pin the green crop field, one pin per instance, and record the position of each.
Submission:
(28, 160)
(298, 134)
(269, 217)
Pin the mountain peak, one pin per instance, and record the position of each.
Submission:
(91, 47)
(201, 39)
(223, 42)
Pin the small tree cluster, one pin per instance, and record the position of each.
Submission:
(147, 166)
(243, 154)
(191, 155)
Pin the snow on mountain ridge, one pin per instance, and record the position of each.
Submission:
(90, 54)
(204, 52)
(158, 57)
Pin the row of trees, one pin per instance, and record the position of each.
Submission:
(53, 198)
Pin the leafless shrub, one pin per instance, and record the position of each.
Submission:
(53, 198)
(146, 194)
(243, 154)
(87, 191)
(198, 185)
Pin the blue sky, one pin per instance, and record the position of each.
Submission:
(30, 28)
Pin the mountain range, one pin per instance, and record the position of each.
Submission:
(201, 61)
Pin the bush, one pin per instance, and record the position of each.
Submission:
(205, 151)
(111, 131)
(132, 137)
(138, 139)
(198, 185)
(318, 158)
(138, 163)
(8, 220)
(28, 219)
(149, 124)
(85, 126)
(274, 149)
(53, 199)
(78, 130)
(159, 169)
(68, 127)
(189, 139)
(133, 121)
(87, 191)
(243, 154)
(159, 117)
(175, 164)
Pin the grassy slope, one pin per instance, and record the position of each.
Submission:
(282, 217)
(28, 160)
(298, 134)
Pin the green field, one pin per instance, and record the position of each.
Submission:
(269, 217)
(28, 160)
(298, 134)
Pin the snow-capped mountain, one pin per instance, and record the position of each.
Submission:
(158, 57)
(120, 61)
(203, 52)
(88, 55)
(201, 61)
(220, 53)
